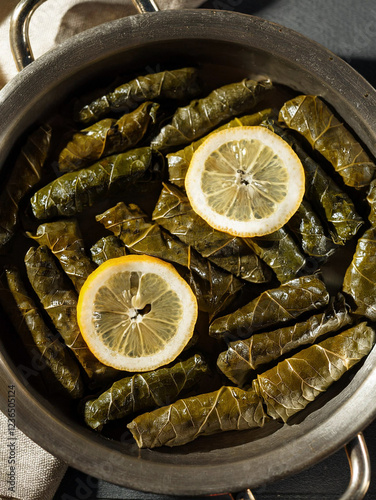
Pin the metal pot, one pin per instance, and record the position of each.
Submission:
(227, 45)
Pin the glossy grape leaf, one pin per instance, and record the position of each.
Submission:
(176, 84)
(360, 277)
(312, 118)
(60, 302)
(71, 193)
(213, 287)
(280, 252)
(107, 137)
(307, 227)
(25, 174)
(174, 213)
(201, 116)
(331, 203)
(144, 391)
(295, 382)
(53, 352)
(178, 162)
(227, 409)
(272, 307)
(244, 356)
(64, 239)
(108, 247)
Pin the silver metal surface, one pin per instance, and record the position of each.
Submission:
(19, 32)
(146, 5)
(360, 469)
(19, 28)
(226, 46)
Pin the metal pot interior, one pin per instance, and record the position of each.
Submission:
(226, 47)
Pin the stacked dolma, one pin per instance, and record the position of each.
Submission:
(177, 84)
(330, 202)
(312, 118)
(144, 391)
(64, 239)
(271, 307)
(26, 173)
(52, 351)
(285, 390)
(71, 193)
(174, 213)
(107, 137)
(201, 116)
(213, 287)
(60, 302)
(244, 356)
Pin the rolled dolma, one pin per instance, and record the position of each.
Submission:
(312, 118)
(280, 252)
(144, 391)
(178, 162)
(330, 202)
(176, 84)
(201, 116)
(174, 213)
(71, 193)
(53, 352)
(65, 241)
(106, 248)
(226, 409)
(272, 307)
(213, 287)
(360, 276)
(291, 385)
(244, 356)
(307, 227)
(60, 302)
(107, 137)
(25, 174)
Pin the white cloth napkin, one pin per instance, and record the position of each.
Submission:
(38, 473)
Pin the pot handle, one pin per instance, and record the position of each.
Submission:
(19, 28)
(360, 470)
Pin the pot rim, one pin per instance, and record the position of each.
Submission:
(358, 99)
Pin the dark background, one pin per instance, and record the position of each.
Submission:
(348, 28)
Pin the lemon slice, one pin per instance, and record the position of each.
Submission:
(245, 181)
(136, 313)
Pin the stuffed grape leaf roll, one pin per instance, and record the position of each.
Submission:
(272, 307)
(174, 213)
(60, 302)
(360, 276)
(177, 84)
(295, 382)
(144, 391)
(227, 409)
(280, 252)
(312, 118)
(107, 137)
(244, 356)
(65, 241)
(178, 162)
(71, 193)
(307, 227)
(330, 202)
(108, 247)
(201, 116)
(25, 174)
(213, 287)
(53, 352)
